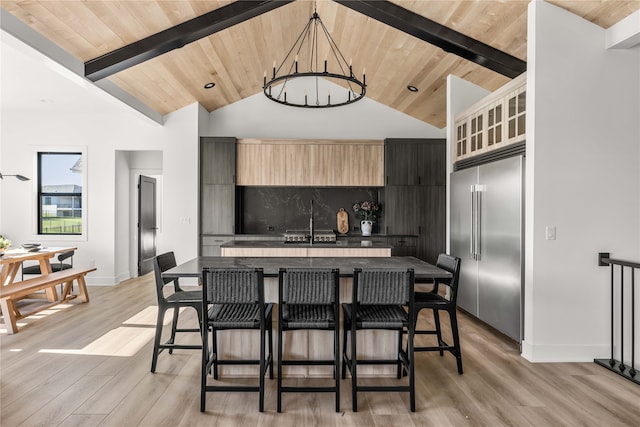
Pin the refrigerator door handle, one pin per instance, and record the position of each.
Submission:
(478, 237)
(472, 247)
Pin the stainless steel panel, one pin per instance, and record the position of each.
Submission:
(461, 238)
(500, 243)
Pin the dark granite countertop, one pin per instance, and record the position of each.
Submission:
(280, 236)
(281, 244)
(193, 268)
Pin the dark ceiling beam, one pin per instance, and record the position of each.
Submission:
(438, 35)
(177, 36)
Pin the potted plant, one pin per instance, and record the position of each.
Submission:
(367, 211)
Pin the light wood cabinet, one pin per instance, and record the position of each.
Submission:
(347, 163)
(494, 122)
(260, 163)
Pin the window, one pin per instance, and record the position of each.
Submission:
(60, 193)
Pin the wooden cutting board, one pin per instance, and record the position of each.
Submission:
(343, 221)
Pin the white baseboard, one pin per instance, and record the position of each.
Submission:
(563, 352)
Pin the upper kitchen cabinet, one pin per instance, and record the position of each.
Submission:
(400, 162)
(217, 188)
(496, 121)
(415, 161)
(516, 114)
(261, 163)
(334, 163)
(217, 160)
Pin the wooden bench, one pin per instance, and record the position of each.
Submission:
(18, 290)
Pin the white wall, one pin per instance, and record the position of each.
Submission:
(583, 146)
(258, 117)
(105, 127)
(104, 136)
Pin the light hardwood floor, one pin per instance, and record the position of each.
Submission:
(89, 365)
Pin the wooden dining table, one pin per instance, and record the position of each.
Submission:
(12, 259)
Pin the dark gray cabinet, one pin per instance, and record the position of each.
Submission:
(218, 161)
(217, 188)
(400, 162)
(415, 161)
(401, 209)
(415, 194)
(403, 245)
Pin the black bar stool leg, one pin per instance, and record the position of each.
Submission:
(456, 339)
(174, 326)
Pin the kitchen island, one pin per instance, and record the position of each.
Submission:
(271, 248)
(314, 344)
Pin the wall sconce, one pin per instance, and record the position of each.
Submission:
(20, 177)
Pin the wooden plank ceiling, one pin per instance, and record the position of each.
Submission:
(236, 58)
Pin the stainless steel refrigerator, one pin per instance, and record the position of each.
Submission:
(487, 233)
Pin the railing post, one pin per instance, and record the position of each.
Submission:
(621, 367)
(612, 361)
(612, 364)
(632, 371)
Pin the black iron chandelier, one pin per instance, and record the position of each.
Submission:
(294, 86)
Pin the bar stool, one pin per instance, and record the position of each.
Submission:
(175, 301)
(436, 302)
(308, 299)
(378, 301)
(233, 299)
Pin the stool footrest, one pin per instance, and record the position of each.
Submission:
(307, 362)
(311, 389)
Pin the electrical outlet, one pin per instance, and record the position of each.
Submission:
(550, 233)
(270, 228)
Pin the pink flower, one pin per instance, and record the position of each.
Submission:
(366, 210)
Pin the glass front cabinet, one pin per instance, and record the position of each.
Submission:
(494, 122)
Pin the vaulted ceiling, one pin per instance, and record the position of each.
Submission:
(236, 57)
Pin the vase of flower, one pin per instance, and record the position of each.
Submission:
(367, 211)
(4, 243)
(365, 227)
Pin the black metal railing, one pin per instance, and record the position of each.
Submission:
(618, 366)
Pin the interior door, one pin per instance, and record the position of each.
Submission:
(146, 224)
